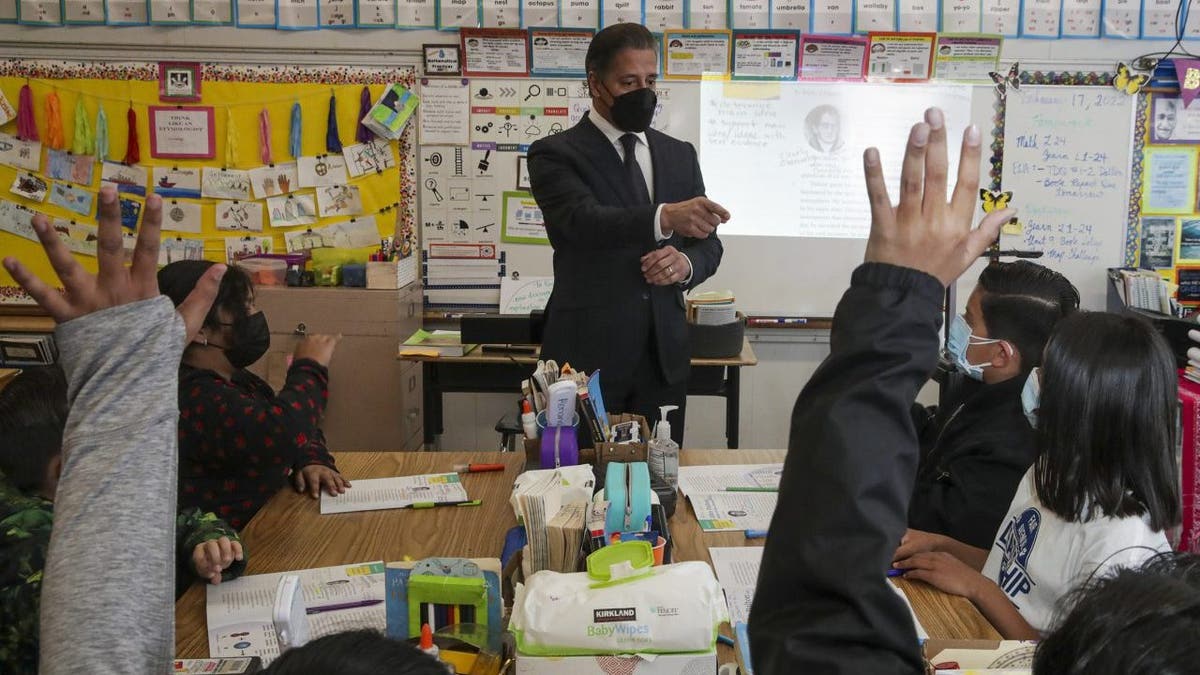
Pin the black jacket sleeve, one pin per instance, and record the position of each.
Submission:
(823, 604)
(704, 254)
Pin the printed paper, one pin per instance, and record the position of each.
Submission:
(256, 13)
(445, 108)
(501, 13)
(168, 12)
(833, 17)
(613, 12)
(1158, 18)
(336, 13)
(219, 12)
(918, 15)
(83, 11)
(1001, 17)
(965, 58)
(1040, 18)
(416, 14)
(457, 13)
(828, 58)
(961, 16)
(128, 12)
(708, 14)
(539, 13)
(376, 13)
(1169, 181)
(297, 15)
(1081, 18)
(692, 54)
(874, 15)
(901, 57)
(579, 13)
(751, 14)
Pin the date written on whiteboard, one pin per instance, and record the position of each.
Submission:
(1089, 101)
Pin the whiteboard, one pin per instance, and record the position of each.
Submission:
(807, 275)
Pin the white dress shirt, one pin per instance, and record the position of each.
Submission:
(641, 155)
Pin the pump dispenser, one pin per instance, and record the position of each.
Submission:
(663, 453)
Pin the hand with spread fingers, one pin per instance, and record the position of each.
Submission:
(115, 284)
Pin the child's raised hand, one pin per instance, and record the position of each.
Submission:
(212, 557)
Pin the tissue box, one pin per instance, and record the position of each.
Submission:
(651, 664)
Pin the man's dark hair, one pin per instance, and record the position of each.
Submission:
(360, 652)
(1132, 622)
(1022, 302)
(610, 41)
(33, 413)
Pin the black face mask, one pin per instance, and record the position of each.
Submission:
(251, 339)
(633, 110)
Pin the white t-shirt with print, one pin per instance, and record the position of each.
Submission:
(1038, 557)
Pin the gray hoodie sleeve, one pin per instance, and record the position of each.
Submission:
(108, 594)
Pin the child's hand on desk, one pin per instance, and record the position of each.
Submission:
(315, 477)
(318, 348)
(212, 557)
(917, 541)
(944, 572)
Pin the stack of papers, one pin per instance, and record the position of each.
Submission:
(1006, 655)
(537, 499)
(239, 612)
(372, 494)
(712, 308)
(564, 537)
(732, 497)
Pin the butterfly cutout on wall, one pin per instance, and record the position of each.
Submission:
(1003, 82)
(994, 201)
(1126, 81)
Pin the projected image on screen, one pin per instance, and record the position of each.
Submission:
(786, 158)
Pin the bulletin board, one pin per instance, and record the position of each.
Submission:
(243, 105)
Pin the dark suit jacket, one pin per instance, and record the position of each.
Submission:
(597, 317)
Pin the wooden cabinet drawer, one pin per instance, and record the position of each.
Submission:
(411, 398)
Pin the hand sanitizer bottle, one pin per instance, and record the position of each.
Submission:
(663, 453)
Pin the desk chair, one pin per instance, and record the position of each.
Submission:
(510, 430)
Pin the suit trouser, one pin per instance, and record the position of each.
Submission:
(646, 390)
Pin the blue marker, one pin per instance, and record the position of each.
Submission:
(894, 572)
(725, 640)
(756, 534)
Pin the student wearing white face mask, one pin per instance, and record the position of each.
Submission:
(975, 449)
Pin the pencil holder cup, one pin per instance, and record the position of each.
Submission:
(560, 447)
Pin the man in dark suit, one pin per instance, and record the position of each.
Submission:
(631, 229)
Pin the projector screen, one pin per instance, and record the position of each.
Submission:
(786, 158)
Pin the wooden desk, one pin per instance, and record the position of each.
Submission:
(492, 372)
(943, 615)
(290, 534)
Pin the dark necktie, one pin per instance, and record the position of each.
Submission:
(637, 180)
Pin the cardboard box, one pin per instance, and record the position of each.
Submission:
(651, 664)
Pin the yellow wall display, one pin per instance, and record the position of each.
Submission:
(237, 95)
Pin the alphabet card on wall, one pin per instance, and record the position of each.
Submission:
(322, 170)
(176, 182)
(181, 216)
(223, 183)
(238, 215)
(292, 210)
(20, 154)
(274, 180)
(129, 178)
(30, 187)
(339, 200)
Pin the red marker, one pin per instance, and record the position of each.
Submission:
(477, 468)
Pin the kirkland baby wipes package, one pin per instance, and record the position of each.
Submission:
(672, 608)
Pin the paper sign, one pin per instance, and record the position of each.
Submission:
(900, 56)
(500, 13)
(1158, 18)
(336, 13)
(771, 56)
(1169, 181)
(1157, 248)
(131, 212)
(613, 12)
(1187, 237)
(1001, 17)
(1171, 122)
(751, 14)
(1188, 72)
(297, 15)
(828, 58)
(539, 13)
(966, 58)
(418, 13)
(919, 16)
(559, 52)
(874, 15)
(834, 17)
(1122, 18)
(212, 12)
(239, 215)
(169, 12)
(694, 53)
(579, 14)
(457, 14)
(662, 15)
(961, 16)
(525, 295)
(493, 52)
(1081, 18)
(128, 12)
(1041, 18)
(255, 13)
(40, 12)
(445, 111)
(523, 221)
(708, 14)
(182, 131)
(375, 13)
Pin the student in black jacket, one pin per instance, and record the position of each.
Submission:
(823, 604)
(975, 451)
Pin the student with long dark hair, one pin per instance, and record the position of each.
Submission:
(1102, 491)
(977, 447)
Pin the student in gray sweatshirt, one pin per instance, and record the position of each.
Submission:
(119, 343)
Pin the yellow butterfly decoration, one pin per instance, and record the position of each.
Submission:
(1127, 82)
(1013, 226)
(994, 201)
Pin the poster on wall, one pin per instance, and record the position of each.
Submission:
(184, 132)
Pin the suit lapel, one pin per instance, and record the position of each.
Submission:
(603, 156)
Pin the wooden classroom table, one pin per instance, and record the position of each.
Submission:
(496, 372)
(289, 533)
(944, 616)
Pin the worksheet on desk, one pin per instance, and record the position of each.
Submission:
(239, 612)
(372, 494)
(724, 511)
(736, 568)
(695, 480)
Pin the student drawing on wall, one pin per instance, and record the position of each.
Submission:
(1166, 112)
(823, 126)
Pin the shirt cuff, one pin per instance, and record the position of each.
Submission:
(691, 270)
(659, 237)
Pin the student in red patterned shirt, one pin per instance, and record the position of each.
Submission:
(239, 440)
